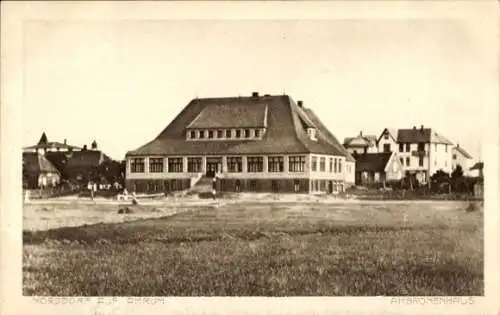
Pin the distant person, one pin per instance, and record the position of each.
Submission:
(214, 187)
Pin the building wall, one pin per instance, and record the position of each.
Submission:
(440, 158)
(286, 179)
(394, 169)
(350, 173)
(461, 160)
(389, 140)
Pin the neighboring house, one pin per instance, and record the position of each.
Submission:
(476, 170)
(43, 146)
(85, 165)
(423, 152)
(38, 172)
(373, 168)
(462, 158)
(387, 141)
(255, 143)
(361, 144)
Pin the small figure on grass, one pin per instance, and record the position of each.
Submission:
(214, 187)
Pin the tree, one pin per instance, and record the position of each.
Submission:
(458, 181)
(440, 180)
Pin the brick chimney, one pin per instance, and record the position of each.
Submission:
(300, 103)
(65, 141)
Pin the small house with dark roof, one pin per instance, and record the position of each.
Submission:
(38, 172)
(264, 143)
(43, 146)
(378, 168)
(361, 144)
(85, 165)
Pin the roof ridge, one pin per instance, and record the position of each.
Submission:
(294, 122)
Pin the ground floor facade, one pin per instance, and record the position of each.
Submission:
(41, 180)
(297, 185)
(303, 173)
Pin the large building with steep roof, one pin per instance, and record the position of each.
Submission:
(256, 143)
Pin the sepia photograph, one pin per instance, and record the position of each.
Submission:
(248, 157)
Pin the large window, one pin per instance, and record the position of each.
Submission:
(202, 134)
(407, 147)
(421, 147)
(175, 165)
(156, 165)
(255, 164)
(210, 134)
(228, 133)
(420, 161)
(314, 164)
(194, 165)
(219, 133)
(234, 165)
(192, 134)
(296, 163)
(238, 133)
(331, 165)
(387, 147)
(275, 164)
(247, 133)
(407, 161)
(137, 165)
(401, 147)
(340, 165)
(336, 168)
(322, 164)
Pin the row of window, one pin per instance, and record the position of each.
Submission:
(405, 147)
(225, 134)
(255, 164)
(335, 165)
(420, 161)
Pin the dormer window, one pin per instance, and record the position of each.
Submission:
(311, 134)
(257, 133)
(219, 133)
(202, 134)
(210, 134)
(192, 134)
(247, 133)
(238, 133)
(228, 133)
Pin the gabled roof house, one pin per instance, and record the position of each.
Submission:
(253, 143)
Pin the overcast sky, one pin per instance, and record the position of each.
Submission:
(121, 83)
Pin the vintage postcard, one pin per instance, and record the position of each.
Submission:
(250, 157)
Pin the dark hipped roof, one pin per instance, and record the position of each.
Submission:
(372, 162)
(286, 131)
(86, 158)
(477, 166)
(419, 135)
(35, 163)
(237, 114)
(463, 152)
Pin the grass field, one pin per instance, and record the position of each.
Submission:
(260, 249)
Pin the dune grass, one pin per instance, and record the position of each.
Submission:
(266, 250)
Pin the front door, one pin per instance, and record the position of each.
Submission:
(330, 186)
(214, 165)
